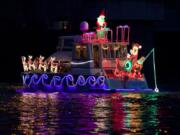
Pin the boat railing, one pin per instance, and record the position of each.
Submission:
(124, 36)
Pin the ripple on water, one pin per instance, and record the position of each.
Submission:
(89, 113)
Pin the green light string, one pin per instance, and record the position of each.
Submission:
(154, 66)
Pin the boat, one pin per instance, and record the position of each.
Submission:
(93, 61)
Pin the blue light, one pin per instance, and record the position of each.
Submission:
(91, 80)
(57, 82)
(81, 81)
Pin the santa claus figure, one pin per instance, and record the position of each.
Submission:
(101, 23)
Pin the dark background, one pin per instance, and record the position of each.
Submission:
(33, 27)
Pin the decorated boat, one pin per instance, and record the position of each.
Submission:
(93, 61)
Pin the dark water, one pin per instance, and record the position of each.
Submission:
(89, 113)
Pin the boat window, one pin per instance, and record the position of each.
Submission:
(96, 56)
(123, 52)
(81, 52)
(68, 44)
(112, 51)
(106, 51)
(116, 51)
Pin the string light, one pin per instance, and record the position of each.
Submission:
(58, 81)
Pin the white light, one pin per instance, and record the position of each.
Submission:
(81, 63)
(128, 55)
(126, 26)
(156, 90)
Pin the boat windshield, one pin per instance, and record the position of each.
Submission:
(80, 52)
(68, 44)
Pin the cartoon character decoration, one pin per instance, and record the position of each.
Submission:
(134, 52)
(136, 64)
(42, 64)
(53, 65)
(25, 64)
(122, 68)
(31, 64)
(131, 66)
(138, 67)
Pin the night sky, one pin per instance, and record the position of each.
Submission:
(33, 27)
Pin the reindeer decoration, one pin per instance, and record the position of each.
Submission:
(53, 65)
(42, 64)
(25, 64)
(31, 64)
(36, 62)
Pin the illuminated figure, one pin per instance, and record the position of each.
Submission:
(53, 65)
(137, 67)
(101, 26)
(101, 23)
(134, 52)
(122, 68)
(31, 64)
(136, 64)
(25, 64)
(42, 64)
(130, 67)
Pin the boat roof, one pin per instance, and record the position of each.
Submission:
(62, 55)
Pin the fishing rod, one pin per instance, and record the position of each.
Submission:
(154, 67)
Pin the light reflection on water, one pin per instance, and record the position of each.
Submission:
(81, 113)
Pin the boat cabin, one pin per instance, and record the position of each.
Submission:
(96, 55)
